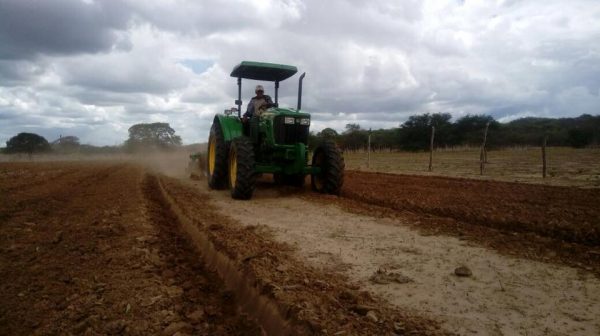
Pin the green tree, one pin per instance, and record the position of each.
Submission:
(415, 132)
(328, 133)
(469, 129)
(152, 136)
(352, 128)
(580, 138)
(27, 143)
(66, 144)
(384, 139)
(353, 138)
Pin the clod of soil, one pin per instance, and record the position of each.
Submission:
(383, 277)
(463, 271)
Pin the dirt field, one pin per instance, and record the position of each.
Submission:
(86, 249)
(118, 248)
(544, 222)
(111, 248)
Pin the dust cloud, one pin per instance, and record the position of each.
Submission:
(172, 163)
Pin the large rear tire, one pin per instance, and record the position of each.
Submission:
(216, 158)
(242, 177)
(329, 159)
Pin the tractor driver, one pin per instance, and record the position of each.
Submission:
(257, 103)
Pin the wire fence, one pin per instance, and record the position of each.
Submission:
(548, 165)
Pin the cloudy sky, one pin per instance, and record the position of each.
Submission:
(93, 68)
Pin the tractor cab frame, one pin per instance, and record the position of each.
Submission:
(265, 72)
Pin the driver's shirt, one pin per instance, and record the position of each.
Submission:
(255, 103)
(258, 102)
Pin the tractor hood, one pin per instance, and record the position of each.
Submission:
(271, 113)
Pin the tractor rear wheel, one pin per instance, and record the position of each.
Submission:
(328, 158)
(242, 178)
(216, 160)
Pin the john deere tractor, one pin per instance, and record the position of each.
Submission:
(273, 141)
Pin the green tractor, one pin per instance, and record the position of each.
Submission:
(273, 141)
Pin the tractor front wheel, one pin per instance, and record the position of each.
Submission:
(329, 160)
(242, 178)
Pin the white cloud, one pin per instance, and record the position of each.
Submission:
(110, 64)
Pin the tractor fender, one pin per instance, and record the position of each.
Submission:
(230, 126)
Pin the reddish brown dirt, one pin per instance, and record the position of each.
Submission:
(570, 214)
(95, 249)
(534, 221)
(84, 252)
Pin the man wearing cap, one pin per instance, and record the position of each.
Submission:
(260, 101)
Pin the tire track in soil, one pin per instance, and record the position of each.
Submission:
(248, 299)
(311, 300)
(469, 209)
(202, 288)
(504, 295)
(546, 297)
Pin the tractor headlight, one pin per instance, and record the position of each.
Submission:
(305, 121)
(289, 120)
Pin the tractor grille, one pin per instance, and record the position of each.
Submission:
(289, 134)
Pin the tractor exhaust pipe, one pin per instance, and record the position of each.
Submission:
(238, 102)
(300, 90)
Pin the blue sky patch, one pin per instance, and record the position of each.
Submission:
(197, 65)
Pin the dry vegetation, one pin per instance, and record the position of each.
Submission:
(566, 166)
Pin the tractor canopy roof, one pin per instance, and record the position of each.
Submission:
(263, 71)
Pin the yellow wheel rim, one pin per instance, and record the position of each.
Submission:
(212, 156)
(232, 167)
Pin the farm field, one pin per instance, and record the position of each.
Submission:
(566, 166)
(119, 247)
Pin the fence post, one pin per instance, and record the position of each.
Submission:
(369, 150)
(431, 148)
(544, 156)
(483, 153)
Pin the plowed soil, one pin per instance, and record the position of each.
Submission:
(100, 248)
(546, 223)
(86, 249)
(569, 214)
(505, 294)
(112, 248)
